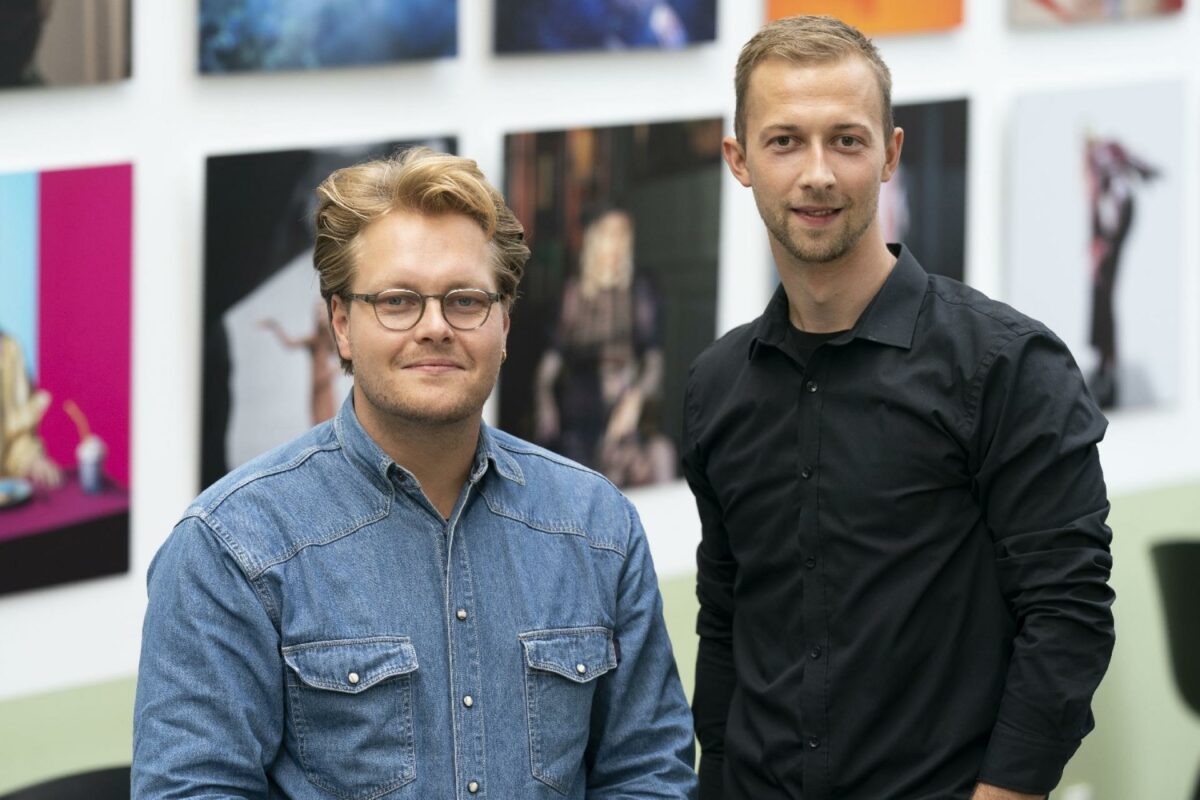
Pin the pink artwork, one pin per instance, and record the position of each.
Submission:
(65, 310)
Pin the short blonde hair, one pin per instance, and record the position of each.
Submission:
(808, 40)
(419, 180)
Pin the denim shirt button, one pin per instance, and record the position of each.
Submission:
(473, 787)
(581, 668)
(352, 677)
(468, 701)
(461, 613)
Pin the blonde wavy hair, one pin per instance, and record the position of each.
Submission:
(419, 180)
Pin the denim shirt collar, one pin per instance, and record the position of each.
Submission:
(890, 318)
(362, 451)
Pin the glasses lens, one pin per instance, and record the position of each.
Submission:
(398, 309)
(466, 308)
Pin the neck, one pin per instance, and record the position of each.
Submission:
(831, 296)
(438, 456)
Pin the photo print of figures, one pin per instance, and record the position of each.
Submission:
(1095, 232)
(924, 204)
(620, 293)
(875, 17)
(65, 256)
(275, 35)
(63, 42)
(1066, 12)
(534, 26)
(271, 369)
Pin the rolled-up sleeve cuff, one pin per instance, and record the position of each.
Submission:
(1023, 763)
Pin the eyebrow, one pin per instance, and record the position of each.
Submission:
(769, 131)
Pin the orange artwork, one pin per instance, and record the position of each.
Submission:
(877, 16)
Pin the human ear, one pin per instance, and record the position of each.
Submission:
(891, 154)
(735, 157)
(340, 313)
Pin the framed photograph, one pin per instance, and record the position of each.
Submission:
(535, 26)
(875, 17)
(1095, 236)
(65, 267)
(64, 42)
(1068, 12)
(620, 294)
(276, 35)
(271, 369)
(924, 205)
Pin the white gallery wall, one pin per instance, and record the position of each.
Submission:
(168, 119)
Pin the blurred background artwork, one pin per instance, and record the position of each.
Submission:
(252, 35)
(1095, 236)
(924, 205)
(63, 42)
(877, 16)
(1059, 12)
(65, 257)
(271, 370)
(620, 293)
(527, 26)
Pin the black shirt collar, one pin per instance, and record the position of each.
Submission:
(890, 318)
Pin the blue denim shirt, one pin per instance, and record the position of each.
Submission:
(317, 630)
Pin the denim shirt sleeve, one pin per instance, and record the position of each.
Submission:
(641, 731)
(208, 716)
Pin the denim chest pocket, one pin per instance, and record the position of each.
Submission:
(561, 668)
(350, 713)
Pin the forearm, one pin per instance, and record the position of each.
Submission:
(985, 791)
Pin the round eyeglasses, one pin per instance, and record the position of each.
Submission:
(401, 309)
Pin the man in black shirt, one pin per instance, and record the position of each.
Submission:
(904, 561)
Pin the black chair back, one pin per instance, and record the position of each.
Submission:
(102, 784)
(1178, 566)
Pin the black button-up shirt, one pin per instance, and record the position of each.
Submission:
(904, 562)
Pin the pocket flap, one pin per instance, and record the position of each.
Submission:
(578, 654)
(351, 665)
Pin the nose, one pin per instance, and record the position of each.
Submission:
(816, 172)
(432, 325)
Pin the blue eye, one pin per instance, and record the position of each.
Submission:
(466, 301)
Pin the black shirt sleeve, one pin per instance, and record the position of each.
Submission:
(1037, 474)
(716, 570)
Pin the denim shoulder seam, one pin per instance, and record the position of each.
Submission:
(275, 469)
(350, 528)
(565, 529)
(243, 560)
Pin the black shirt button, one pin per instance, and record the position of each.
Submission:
(814, 742)
(811, 386)
(815, 653)
(810, 562)
(806, 473)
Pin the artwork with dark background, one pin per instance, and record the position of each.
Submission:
(63, 42)
(528, 26)
(924, 205)
(620, 293)
(252, 35)
(65, 268)
(271, 370)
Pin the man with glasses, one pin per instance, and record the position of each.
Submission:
(406, 602)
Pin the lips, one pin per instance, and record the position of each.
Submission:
(817, 215)
(433, 365)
